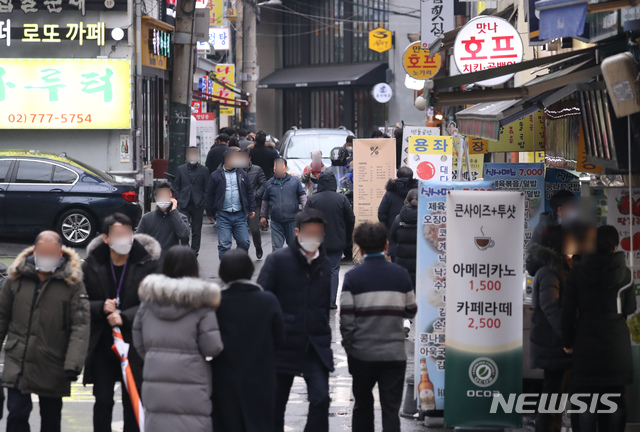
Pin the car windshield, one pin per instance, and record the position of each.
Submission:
(95, 171)
(301, 146)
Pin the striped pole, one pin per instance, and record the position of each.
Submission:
(121, 348)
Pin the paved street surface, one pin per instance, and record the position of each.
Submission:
(77, 412)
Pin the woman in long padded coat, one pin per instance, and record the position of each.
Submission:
(244, 375)
(176, 333)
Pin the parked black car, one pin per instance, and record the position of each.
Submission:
(41, 191)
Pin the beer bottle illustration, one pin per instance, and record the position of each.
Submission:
(425, 389)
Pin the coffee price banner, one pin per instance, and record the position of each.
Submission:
(484, 306)
(431, 290)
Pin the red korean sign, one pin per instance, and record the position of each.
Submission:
(487, 42)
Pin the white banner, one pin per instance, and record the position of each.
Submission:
(484, 270)
(407, 132)
(436, 18)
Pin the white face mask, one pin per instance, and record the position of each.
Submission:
(47, 264)
(193, 161)
(163, 205)
(310, 245)
(121, 246)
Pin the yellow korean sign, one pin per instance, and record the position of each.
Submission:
(226, 74)
(431, 145)
(524, 135)
(216, 12)
(419, 64)
(380, 40)
(476, 163)
(478, 146)
(65, 94)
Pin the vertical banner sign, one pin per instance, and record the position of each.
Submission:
(374, 165)
(216, 12)
(407, 132)
(484, 306)
(431, 157)
(226, 74)
(431, 290)
(125, 148)
(436, 18)
(526, 178)
(206, 132)
(621, 208)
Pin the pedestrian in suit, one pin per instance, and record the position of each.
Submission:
(190, 186)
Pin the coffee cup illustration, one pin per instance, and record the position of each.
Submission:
(483, 242)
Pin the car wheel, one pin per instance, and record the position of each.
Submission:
(76, 227)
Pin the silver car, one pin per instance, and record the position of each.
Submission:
(297, 144)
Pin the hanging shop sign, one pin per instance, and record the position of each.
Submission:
(431, 289)
(219, 38)
(524, 135)
(225, 73)
(380, 40)
(478, 146)
(487, 42)
(484, 268)
(65, 94)
(382, 92)
(436, 18)
(58, 6)
(418, 62)
(431, 157)
(156, 43)
(216, 12)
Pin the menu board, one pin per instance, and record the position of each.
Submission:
(374, 164)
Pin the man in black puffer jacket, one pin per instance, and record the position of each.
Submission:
(258, 180)
(340, 221)
(393, 199)
(404, 235)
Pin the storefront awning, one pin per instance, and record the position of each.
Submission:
(561, 18)
(326, 76)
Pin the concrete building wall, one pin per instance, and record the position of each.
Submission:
(401, 104)
(269, 43)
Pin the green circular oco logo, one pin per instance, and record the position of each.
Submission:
(483, 372)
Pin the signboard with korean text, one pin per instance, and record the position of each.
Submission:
(382, 92)
(621, 208)
(219, 38)
(226, 74)
(418, 62)
(436, 18)
(484, 306)
(524, 135)
(476, 164)
(527, 178)
(407, 132)
(380, 40)
(216, 12)
(431, 285)
(478, 145)
(57, 6)
(205, 133)
(431, 157)
(556, 179)
(78, 31)
(156, 43)
(487, 42)
(65, 94)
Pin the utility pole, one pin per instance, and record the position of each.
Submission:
(182, 84)
(250, 60)
(240, 52)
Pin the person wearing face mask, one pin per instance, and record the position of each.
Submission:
(376, 296)
(44, 314)
(230, 199)
(116, 263)
(300, 278)
(166, 224)
(190, 186)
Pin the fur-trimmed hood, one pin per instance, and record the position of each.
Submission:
(540, 256)
(188, 293)
(150, 245)
(70, 270)
(401, 186)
